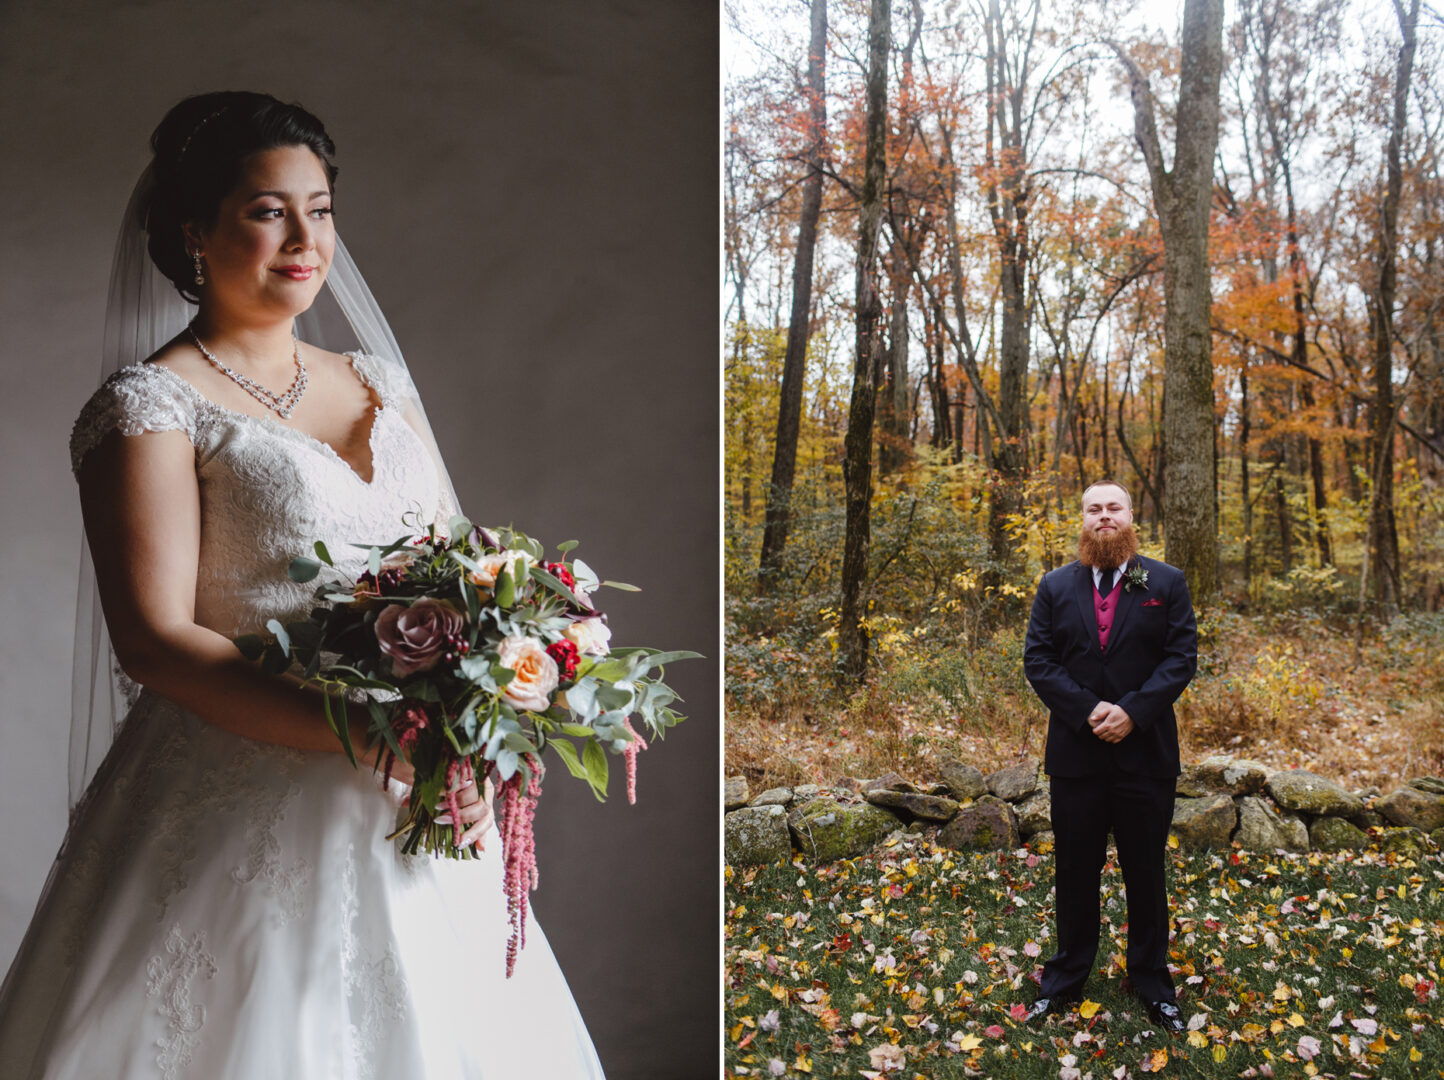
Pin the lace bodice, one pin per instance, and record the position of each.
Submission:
(268, 492)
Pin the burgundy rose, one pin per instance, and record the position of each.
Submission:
(559, 571)
(566, 655)
(417, 637)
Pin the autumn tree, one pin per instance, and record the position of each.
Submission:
(789, 413)
(857, 445)
(1182, 197)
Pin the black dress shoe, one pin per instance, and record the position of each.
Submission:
(1046, 1006)
(1166, 1015)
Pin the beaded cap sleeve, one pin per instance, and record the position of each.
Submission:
(134, 400)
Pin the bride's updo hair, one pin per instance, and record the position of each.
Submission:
(200, 150)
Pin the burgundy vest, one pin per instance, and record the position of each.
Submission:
(1104, 608)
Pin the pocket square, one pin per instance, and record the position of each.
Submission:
(1155, 602)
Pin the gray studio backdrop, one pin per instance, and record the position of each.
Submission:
(530, 189)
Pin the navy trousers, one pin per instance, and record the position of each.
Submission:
(1138, 811)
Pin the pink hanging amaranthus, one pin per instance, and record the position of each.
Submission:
(518, 847)
(636, 746)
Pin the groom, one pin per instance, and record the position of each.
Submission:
(1111, 644)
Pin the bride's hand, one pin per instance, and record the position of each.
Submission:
(475, 811)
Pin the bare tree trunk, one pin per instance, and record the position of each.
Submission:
(892, 436)
(1007, 199)
(857, 445)
(1182, 198)
(789, 410)
(1383, 534)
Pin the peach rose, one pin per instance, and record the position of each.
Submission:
(491, 565)
(590, 635)
(536, 673)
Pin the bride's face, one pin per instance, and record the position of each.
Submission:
(271, 246)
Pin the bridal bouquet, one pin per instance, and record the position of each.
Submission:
(475, 657)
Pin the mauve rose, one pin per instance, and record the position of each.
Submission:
(415, 637)
(536, 672)
(590, 636)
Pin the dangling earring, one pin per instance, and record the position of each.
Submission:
(200, 273)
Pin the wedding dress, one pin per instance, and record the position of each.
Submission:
(228, 909)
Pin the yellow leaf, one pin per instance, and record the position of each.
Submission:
(1172, 841)
(1197, 1039)
(1282, 992)
(779, 991)
(1295, 1020)
(802, 1064)
(1088, 1009)
(1403, 891)
(1219, 1053)
(1346, 952)
(1414, 1055)
(1276, 1027)
(735, 1033)
(1157, 1060)
(969, 1043)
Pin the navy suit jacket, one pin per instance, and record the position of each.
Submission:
(1152, 654)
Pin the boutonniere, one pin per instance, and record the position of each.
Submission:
(1135, 577)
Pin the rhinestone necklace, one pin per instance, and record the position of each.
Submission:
(279, 403)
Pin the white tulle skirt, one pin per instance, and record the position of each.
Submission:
(231, 910)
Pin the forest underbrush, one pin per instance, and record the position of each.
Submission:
(1290, 690)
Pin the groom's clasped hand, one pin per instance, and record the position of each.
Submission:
(1109, 722)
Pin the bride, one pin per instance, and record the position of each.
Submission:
(225, 903)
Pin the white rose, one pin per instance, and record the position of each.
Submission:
(590, 636)
(536, 673)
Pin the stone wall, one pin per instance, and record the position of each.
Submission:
(1221, 801)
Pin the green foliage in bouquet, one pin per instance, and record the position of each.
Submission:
(467, 647)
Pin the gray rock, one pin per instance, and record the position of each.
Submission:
(774, 796)
(1438, 837)
(988, 825)
(804, 792)
(1261, 828)
(1035, 813)
(756, 835)
(964, 781)
(734, 792)
(888, 782)
(1369, 820)
(1336, 834)
(1038, 839)
(1432, 784)
(1403, 842)
(1222, 775)
(1412, 806)
(826, 829)
(929, 807)
(1204, 823)
(1299, 789)
(850, 784)
(938, 789)
(1015, 782)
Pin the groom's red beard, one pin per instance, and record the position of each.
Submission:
(1107, 549)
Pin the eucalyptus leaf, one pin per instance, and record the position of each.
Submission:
(581, 731)
(568, 753)
(251, 646)
(323, 554)
(621, 585)
(274, 661)
(283, 639)
(303, 569)
(567, 546)
(373, 562)
(505, 590)
(594, 758)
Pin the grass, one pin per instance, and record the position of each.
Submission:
(914, 961)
